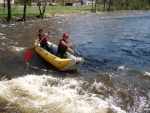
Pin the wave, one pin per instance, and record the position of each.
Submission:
(13, 48)
(34, 93)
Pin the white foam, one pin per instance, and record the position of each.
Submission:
(51, 94)
(122, 68)
(1, 34)
(3, 37)
(13, 48)
(147, 73)
(4, 44)
(3, 25)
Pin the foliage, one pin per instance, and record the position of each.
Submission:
(18, 11)
(101, 5)
(125, 4)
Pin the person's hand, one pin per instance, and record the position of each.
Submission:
(38, 43)
(73, 45)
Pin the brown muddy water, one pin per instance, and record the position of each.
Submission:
(115, 77)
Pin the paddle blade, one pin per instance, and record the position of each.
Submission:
(27, 55)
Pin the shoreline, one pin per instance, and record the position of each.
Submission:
(47, 15)
(69, 13)
(58, 14)
(87, 12)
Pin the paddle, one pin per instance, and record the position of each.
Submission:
(29, 53)
(74, 50)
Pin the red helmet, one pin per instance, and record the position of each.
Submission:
(65, 35)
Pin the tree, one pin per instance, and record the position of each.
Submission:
(24, 11)
(92, 5)
(110, 3)
(104, 2)
(63, 2)
(9, 18)
(96, 1)
(4, 5)
(43, 3)
(127, 2)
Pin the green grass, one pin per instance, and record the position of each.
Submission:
(18, 11)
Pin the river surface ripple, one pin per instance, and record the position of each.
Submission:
(115, 77)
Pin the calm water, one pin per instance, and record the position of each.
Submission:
(115, 77)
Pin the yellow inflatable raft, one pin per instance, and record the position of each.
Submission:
(70, 63)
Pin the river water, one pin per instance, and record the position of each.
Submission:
(115, 76)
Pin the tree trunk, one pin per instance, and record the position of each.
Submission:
(127, 2)
(109, 5)
(63, 2)
(24, 11)
(9, 18)
(92, 6)
(44, 7)
(40, 10)
(95, 5)
(39, 5)
(4, 5)
(104, 5)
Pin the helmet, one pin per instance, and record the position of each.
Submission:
(65, 35)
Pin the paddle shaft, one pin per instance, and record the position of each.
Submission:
(40, 41)
(74, 51)
(29, 53)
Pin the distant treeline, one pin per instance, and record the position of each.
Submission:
(105, 5)
(97, 5)
(110, 5)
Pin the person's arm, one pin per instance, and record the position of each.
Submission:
(68, 48)
(70, 51)
(47, 36)
(67, 44)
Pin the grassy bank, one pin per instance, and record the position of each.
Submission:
(18, 11)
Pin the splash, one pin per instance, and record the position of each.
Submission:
(1, 34)
(3, 38)
(122, 68)
(13, 48)
(147, 73)
(47, 94)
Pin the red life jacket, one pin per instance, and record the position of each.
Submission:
(60, 42)
(44, 41)
(61, 47)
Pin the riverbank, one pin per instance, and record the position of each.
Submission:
(74, 13)
(34, 13)
(68, 13)
(48, 15)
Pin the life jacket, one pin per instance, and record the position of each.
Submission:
(44, 41)
(61, 47)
